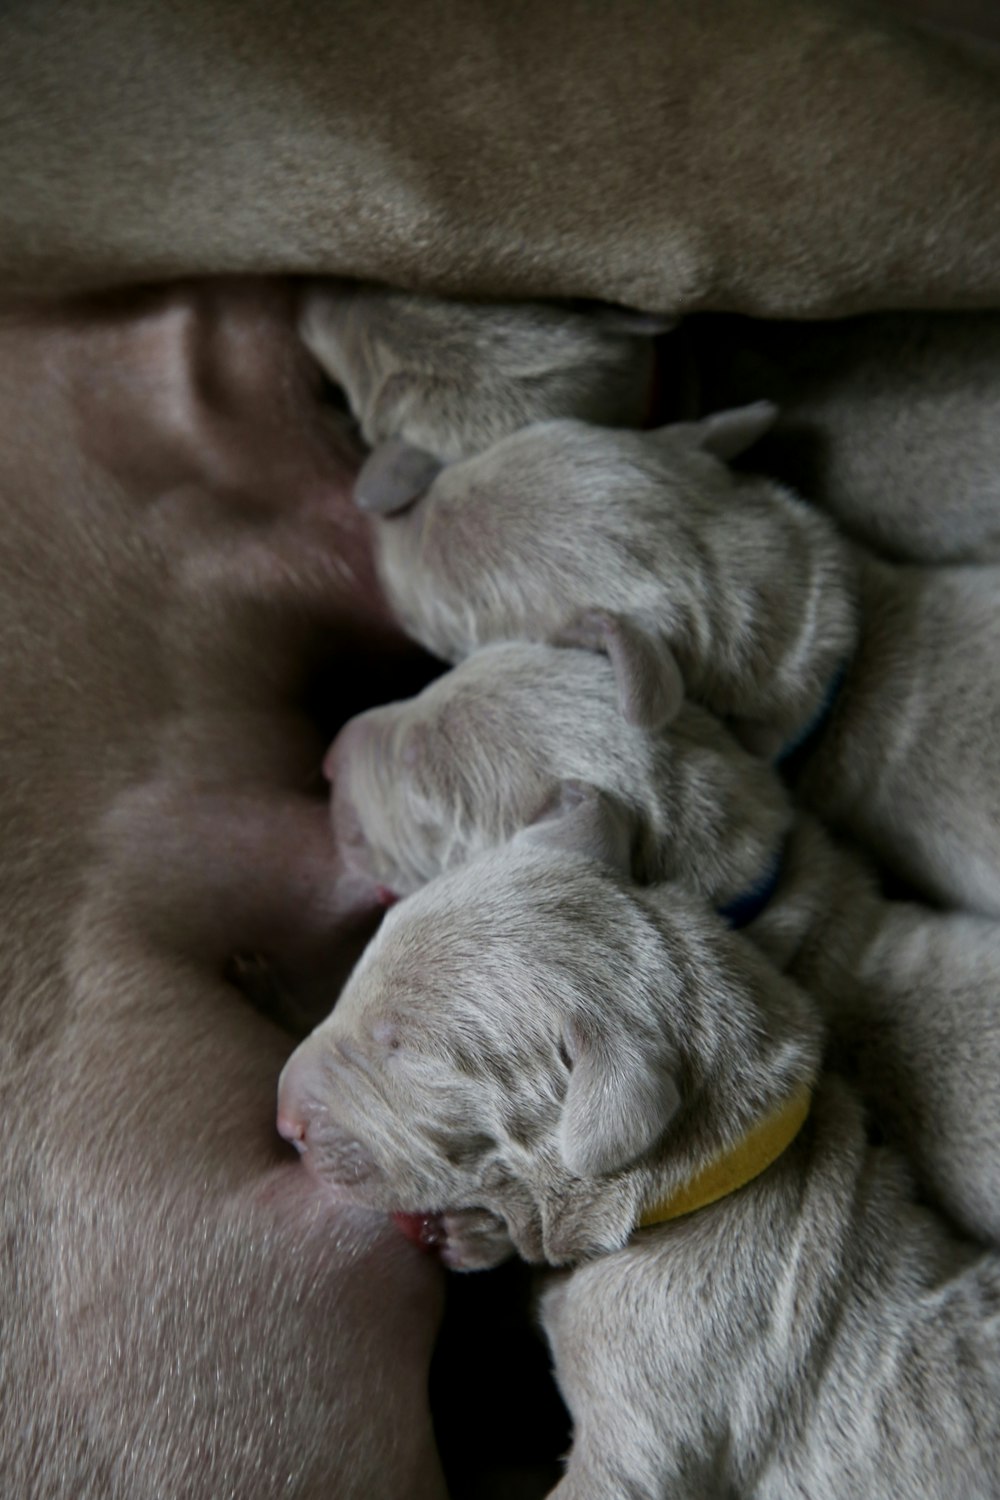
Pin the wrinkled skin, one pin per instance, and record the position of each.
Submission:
(185, 1314)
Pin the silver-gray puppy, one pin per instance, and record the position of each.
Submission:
(603, 1078)
(420, 786)
(451, 378)
(645, 545)
(909, 993)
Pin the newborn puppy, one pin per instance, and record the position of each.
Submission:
(642, 544)
(421, 786)
(646, 546)
(605, 1079)
(452, 378)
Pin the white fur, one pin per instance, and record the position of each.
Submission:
(910, 762)
(910, 997)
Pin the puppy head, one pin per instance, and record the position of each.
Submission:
(530, 1037)
(420, 787)
(570, 532)
(452, 378)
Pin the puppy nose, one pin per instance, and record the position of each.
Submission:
(333, 757)
(300, 1092)
(349, 741)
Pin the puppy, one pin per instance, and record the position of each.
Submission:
(908, 995)
(646, 546)
(420, 786)
(604, 1079)
(452, 378)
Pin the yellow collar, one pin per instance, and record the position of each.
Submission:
(746, 1160)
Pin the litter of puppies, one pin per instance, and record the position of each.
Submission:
(637, 1010)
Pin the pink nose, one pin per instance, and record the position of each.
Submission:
(300, 1093)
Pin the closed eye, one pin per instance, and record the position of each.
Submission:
(467, 1151)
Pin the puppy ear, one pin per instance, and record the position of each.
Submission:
(726, 434)
(393, 475)
(619, 1102)
(630, 320)
(650, 687)
(584, 820)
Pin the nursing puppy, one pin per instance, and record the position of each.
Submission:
(452, 378)
(907, 993)
(558, 1060)
(891, 423)
(421, 786)
(646, 546)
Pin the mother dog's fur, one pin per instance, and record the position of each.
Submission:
(183, 1317)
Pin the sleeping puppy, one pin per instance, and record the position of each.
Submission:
(422, 785)
(908, 993)
(603, 1079)
(452, 378)
(645, 545)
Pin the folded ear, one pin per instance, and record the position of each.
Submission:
(584, 820)
(650, 687)
(393, 475)
(619, 1102)
(727, 434)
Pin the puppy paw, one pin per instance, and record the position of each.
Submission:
(473, 1239)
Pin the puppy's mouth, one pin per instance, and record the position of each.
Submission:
(425, 1230)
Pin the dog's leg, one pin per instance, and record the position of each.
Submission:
(803, 158)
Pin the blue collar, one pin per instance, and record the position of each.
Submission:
(748, 907)
(805, 741)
